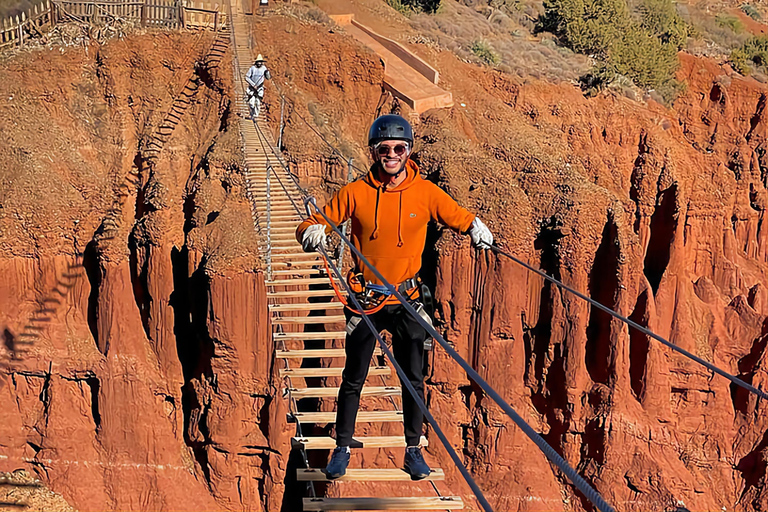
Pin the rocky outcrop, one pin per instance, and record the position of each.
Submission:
(149, 383)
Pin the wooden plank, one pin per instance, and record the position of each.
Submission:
(314, 353)
(329, 443)
(365, 475)
(292, 282)
(299, 272)
(362, 417)
(306, 320)
(373, 371)
(329, 392)
(308, 256)
(301, 293)
(314, 306)
(385, 503)
(335, 335)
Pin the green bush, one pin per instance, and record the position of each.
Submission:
(484, 51)
(731, 22)
(641, 46)
(750, 11)
(660, 19)
(753, 52)
(408, 7)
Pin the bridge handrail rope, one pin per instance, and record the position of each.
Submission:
(404, 379)
(630, 323)
(398, 369)
(287, 378)
(739, 382)
(550, 452)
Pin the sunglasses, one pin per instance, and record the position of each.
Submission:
(383, 150)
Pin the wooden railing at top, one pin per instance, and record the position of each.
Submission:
(15, 31)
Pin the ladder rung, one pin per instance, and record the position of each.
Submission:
(330, 372)
(379, 391)
(290, 282)
(309, 319)
(385, 503)
(362, 417)
(298, 272)
(365, 475)
(303, 257)
(334, 335)
(285, 265)
(329, 443)
(318, 352)
(302, 293)
(314, 306)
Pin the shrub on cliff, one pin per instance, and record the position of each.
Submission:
(640, 44)
(750, 11)
(484, 51)
(731, 22)
(409, 7)
(753, 53)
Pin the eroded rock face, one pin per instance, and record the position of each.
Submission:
(142, 386)
(658, 214)
(150, 386)
(655, 212)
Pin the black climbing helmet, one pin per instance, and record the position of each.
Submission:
(390, 127)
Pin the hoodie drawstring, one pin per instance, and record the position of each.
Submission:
(400, 221)
(375, 233)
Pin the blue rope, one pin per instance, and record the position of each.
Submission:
(404, 379)
(551, 454)
(637, 326)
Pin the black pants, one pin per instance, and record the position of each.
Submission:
(408, 348)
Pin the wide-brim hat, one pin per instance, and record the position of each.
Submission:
(260, 58)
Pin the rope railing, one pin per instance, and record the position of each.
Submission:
(591, 494)
(419, 402)
(292, 399)
(737, 381)
(551, 454)
(385, 348)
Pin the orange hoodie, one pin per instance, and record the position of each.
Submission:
(389, 226)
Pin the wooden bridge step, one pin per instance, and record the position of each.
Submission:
(335, 371)
(330, 392)
(308, 320)
(289, 282)
(362, 417)
(333, 335)
(329, 443)
(326, 335)
(317, 352)
(385, 503)
(314, 306)
(301, 293)
(365, 475)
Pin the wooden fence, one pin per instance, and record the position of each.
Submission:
(173, 14)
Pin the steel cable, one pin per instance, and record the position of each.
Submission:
(550, 452)
(404, 379)
(637, 326)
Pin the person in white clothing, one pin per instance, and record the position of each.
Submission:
(255, 77)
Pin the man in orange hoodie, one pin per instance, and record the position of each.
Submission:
(390, 209)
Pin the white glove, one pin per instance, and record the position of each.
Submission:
(482, 238)
(313, 238)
